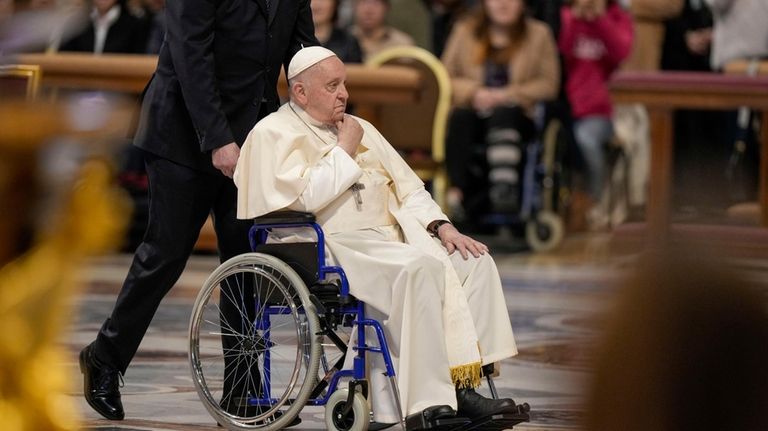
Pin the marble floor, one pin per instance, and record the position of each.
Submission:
(555, 303)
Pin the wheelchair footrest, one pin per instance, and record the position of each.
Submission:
(419, 422)
(497, 422)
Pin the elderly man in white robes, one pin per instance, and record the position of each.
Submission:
(437, 292)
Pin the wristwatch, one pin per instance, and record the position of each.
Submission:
(435, 225)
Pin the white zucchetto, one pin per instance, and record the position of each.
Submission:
(306, 58)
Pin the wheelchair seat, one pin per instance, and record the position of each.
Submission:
(285, 217)
(302, 257)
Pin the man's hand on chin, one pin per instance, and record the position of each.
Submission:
(225, 158)
(350, 134)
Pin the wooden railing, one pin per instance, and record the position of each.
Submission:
(664, 92)
(368, 87)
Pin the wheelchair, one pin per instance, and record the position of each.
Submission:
(269, 333)
(543, 186)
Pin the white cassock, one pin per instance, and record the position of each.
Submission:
(379, 238)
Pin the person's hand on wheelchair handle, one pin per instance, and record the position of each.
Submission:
(454, 240)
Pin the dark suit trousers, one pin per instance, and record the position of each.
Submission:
(180, 200)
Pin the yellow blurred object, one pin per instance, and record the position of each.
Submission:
(36, 292)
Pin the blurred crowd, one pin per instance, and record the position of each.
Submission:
(514, 65)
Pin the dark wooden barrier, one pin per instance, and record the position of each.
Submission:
(664, 92)
(368, 87)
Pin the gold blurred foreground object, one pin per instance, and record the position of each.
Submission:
(35, 304)
(26, 131)
(26, 126)
(38, 268)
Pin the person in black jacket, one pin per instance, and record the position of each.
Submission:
(216, 77)
(112, 28)
(325, 14)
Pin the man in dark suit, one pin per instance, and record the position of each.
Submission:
(112, 29)
(216, 77)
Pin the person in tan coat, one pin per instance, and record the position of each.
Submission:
(501, 65)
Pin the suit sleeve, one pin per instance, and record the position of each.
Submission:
(303, 32)
(190, 34)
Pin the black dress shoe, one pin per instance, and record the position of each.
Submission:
(101, 386)
(473, 405)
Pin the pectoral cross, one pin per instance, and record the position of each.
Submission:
(356, 187)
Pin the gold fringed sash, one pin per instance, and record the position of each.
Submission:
(466, 376)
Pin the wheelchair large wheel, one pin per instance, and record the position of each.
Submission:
(357, 419)
(253, 346)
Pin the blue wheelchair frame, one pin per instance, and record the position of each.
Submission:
(258, 236)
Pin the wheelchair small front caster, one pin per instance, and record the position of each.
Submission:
(545, 231)
(358, 417)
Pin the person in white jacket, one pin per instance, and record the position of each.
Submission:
(438, 296)
(740, 31)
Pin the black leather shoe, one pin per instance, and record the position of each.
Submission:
(101, 386)
(473, 405)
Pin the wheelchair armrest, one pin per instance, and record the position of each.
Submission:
(285, 217)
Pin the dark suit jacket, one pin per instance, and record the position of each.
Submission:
(217, 68)
(127, 35)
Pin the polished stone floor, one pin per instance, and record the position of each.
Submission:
(555, 302)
